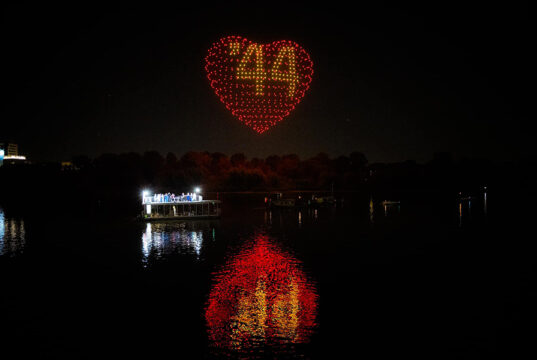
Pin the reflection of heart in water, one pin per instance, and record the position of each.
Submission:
(259, 83)
(261, 297)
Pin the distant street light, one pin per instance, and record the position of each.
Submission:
(197, 190)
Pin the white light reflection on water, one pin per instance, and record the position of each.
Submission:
(485, 202)
(2, 227)
(160, 240)
(469, 207)
(12, 236)
(460, 214)
(371, 210)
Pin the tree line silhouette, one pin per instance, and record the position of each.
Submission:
(115, 179)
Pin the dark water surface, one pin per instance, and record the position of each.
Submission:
(431, 278)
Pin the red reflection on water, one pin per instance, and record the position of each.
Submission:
(261, 296)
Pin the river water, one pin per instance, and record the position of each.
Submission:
(433, 278)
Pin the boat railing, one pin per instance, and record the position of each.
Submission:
(176, 200)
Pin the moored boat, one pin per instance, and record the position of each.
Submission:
(390, 202)
(277, 200)
(321, 200)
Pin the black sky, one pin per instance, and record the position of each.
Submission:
(396, 83)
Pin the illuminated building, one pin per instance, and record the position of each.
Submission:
(14, 157)
(12, 149)
(9, 154)
(67, 165)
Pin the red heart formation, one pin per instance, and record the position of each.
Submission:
(259, 83)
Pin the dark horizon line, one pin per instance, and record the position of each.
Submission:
(446, 155)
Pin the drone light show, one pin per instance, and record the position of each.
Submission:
(260, 298)
(259, 83)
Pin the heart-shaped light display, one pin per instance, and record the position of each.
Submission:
(259, 83)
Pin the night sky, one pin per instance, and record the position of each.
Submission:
(395, 83)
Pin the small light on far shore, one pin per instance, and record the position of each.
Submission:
(197, 190)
